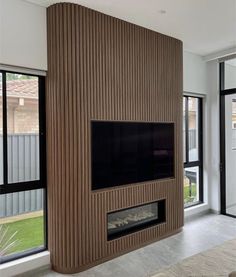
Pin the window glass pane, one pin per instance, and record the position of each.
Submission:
(234, 124)
(184, 129)
(230, 74)
(1, 133)
(193, 106)
(23, 128)
(21, 222)
(230, 154)
(191, 185)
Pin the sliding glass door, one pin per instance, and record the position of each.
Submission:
(228, 137)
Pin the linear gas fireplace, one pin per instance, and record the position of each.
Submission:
(123, 222)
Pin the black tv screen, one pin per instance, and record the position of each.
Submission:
(130, 152)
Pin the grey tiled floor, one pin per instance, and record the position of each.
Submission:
(198, 235)
(232, 210)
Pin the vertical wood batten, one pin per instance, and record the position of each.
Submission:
(100, 67)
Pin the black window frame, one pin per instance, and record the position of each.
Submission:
(198, 163)
(6, 187)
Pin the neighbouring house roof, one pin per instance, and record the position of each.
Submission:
(23, 88)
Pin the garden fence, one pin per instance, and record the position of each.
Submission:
(23, 165)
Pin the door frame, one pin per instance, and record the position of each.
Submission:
(223, 93)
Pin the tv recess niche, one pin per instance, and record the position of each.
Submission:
(131, 152)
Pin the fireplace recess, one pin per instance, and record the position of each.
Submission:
(126, 221)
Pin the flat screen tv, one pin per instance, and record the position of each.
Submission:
(131, 152)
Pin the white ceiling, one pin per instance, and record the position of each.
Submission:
(205, 26)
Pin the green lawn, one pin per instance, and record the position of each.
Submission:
(187, 198)
(30, 233)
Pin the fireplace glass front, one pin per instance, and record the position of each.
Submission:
(133, 219)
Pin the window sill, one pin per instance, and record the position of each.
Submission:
(196, 210)
(25, 264)
(197, 203)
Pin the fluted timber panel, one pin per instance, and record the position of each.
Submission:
(100, 67)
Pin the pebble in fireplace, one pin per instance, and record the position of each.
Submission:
(118, 222)
(133, 219)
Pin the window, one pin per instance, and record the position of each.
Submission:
(192, 145)
(227, 85)
(22, 165)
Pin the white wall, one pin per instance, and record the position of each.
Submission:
(23, 34)
(212, 146)
(195, 79)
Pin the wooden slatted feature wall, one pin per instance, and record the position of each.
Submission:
(103, 68)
